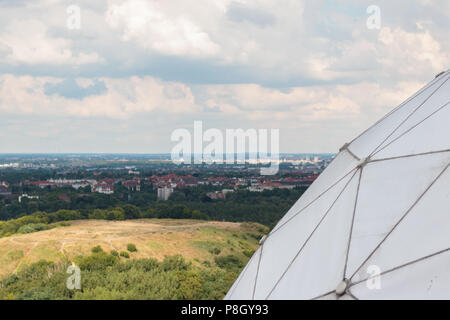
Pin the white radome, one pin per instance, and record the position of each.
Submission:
(376, 223)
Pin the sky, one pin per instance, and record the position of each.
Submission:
(126, 74)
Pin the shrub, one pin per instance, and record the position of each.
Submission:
(197, 215)
(97, 249)
(175, 262)
(228, 262)
(131, 211)
(98, 214)
(131, 247)
(146, 264)
(64, 224)
(216, 251)
(206, 263)
(248, 253)
(114, 253)
(116, 214)
(124, 254)
(33, 227)
(96, 261)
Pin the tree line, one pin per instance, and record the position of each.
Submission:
(265, 207)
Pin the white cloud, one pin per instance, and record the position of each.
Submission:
(309, 67)
(409, 51)
(148, 25)
(163, 103)
(28, 42)
(123, 98)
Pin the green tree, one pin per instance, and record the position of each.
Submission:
(131, 211)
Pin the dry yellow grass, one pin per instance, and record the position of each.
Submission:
(152, 237)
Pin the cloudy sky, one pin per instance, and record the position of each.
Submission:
(136, 70)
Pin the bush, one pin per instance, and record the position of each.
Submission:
(131, 247)
(96, 261)
(124, 254)
(33, 227)
(131, 211)
(197, 215)
(248, 253)
(206, 263)
(64, 224)
(106, 277)
(216, 251)
(175, 262)
(98, 214)
(114, 253)
(228, 262)
(97, 249)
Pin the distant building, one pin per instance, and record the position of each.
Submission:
(60, 183)
(132, 185)
(269, 186)
(105, 186)
(257, 189)
(219, 194)
(164, 193)
(215, 195)
(190, 182)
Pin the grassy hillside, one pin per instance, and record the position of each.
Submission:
(199, 242)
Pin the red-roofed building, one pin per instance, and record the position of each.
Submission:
(132, 185)
(103, 187)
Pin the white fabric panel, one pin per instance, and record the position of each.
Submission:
(425, 137)
(428, 222)
(313, 262)
(426, 279)
(319, 267)
(388, 189)
(336, 170)
(364, 145)
(281, 246)
(431, 125)
(242, 289)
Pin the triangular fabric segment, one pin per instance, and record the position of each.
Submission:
(428, 221)
(319, 267)
(427, 119)
(281, 246)
(364, 145)
(388, 189)
(423, 280)
(338, 170)
(424, 137)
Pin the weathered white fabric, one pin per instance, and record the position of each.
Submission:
(378, 218)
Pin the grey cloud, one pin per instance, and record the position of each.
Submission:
(70, 89)
(240, 13)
